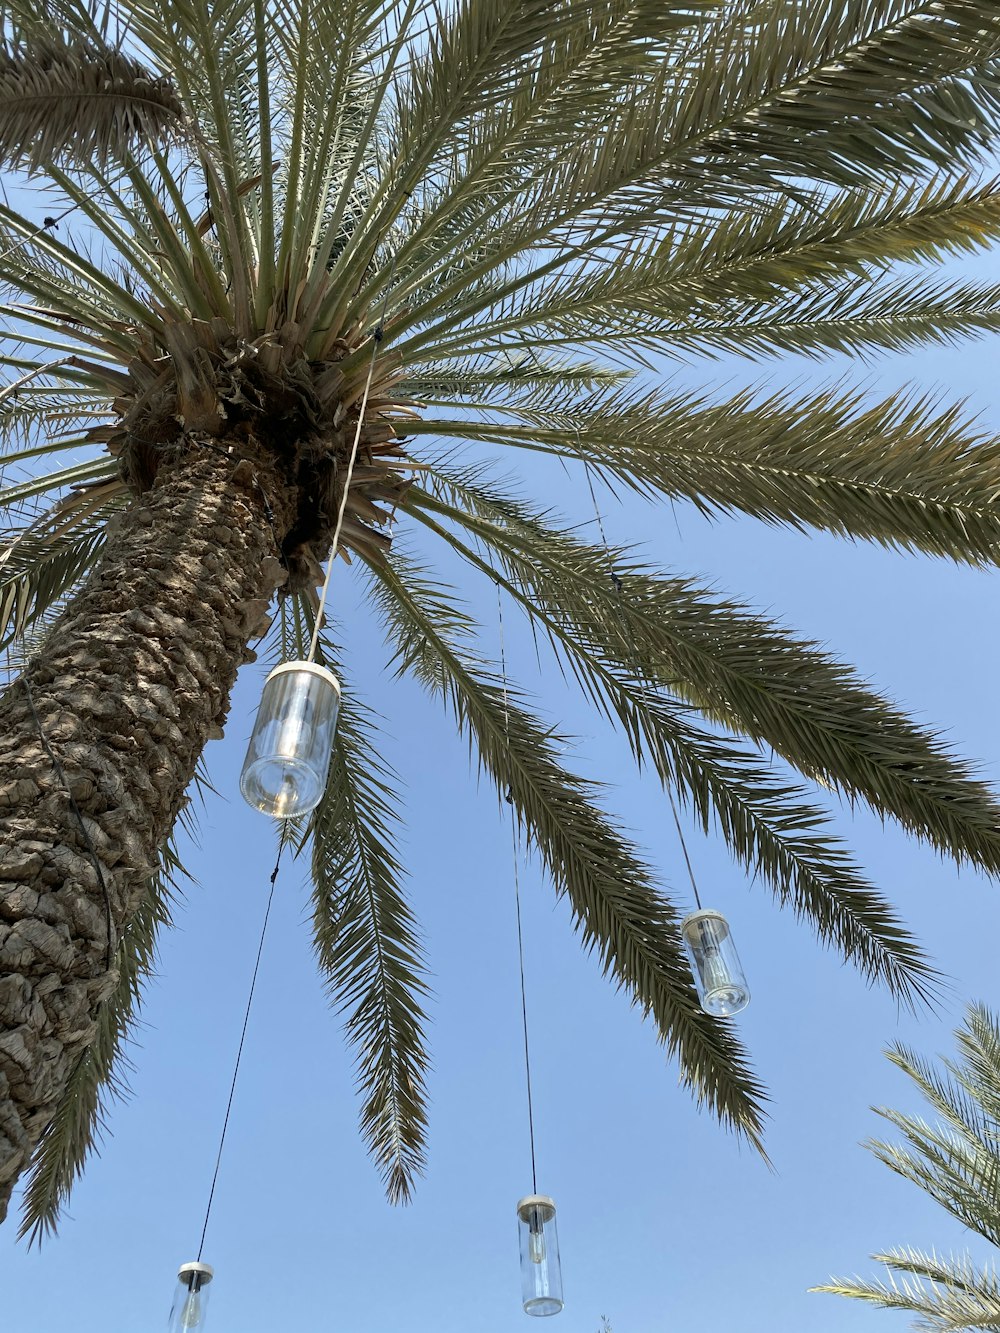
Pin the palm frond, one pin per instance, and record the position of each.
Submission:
(767, 821)
(956, 1161)
(553, 100)
(448, 383)
(951, 1169)
(73, 300)
(947, 1294)
(757, 680)
(616, 907)
(760, 681)
(94, 481)
(787, 241)
(80, 100)
(36, 571)
(366, 938)
(863, 317)
(329, 128)
(902, 472)
(978, 1071)
(770, 102)
(690, 285)
(849, 92)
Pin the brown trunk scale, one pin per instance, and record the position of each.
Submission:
(134, 679)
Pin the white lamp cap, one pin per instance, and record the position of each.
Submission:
(542, 1202)
(206, 1270)
(310, 668)
(703, 914)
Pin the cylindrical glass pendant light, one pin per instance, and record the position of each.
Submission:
(541, 1273)
(288, 757)
(191, 1298)
(722, 987)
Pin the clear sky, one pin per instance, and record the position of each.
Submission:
(665, 1222)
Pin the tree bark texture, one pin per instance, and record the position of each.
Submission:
(133, 679)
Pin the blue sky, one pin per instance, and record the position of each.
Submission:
(665, 1221)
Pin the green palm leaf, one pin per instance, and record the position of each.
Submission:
(706, 277)
(901, 472)
(767, 821)
(80, 99)
(946, 1295)
(759, 681)
(366, 938)
(956, 1161)
(39, 571)
(913, 84)
(615, 904)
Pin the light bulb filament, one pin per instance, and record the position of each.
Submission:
(191, 1313)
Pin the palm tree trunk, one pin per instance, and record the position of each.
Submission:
(132, 681)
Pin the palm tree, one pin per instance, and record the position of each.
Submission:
(325, 243)
(957, 1162)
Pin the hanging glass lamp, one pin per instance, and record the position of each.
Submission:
(718, 975)
(288, 758)
(541, 1272)
(191, 1298)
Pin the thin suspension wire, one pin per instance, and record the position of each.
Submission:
(620, 590)
(39, 231)
(687, 859)
(377, 334)
(51, 222)
(239, 1052)
(517, 904)
(376, 339)
(14, 388)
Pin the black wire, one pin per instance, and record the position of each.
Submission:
(60, 774)
(239, 1053)
(517, 906)
(630, 640)
(687, 859)
(39, 231)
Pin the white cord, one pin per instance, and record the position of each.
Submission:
(376, 339)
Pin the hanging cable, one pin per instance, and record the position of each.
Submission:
(629, 639)
(47, 224)
(376, 339)
(52, 223)
(619, 588)
(687, 859)
(517, 900)
(715, 966)
(378, 333)
(239, 1052)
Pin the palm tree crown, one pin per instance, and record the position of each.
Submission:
(512, 212)
(957, 1162)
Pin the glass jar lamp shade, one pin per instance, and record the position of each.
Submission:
(541, 1272)
(191, 1298)
(288, 758)
(718, 974)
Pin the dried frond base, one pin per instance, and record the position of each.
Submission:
(273, 406)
